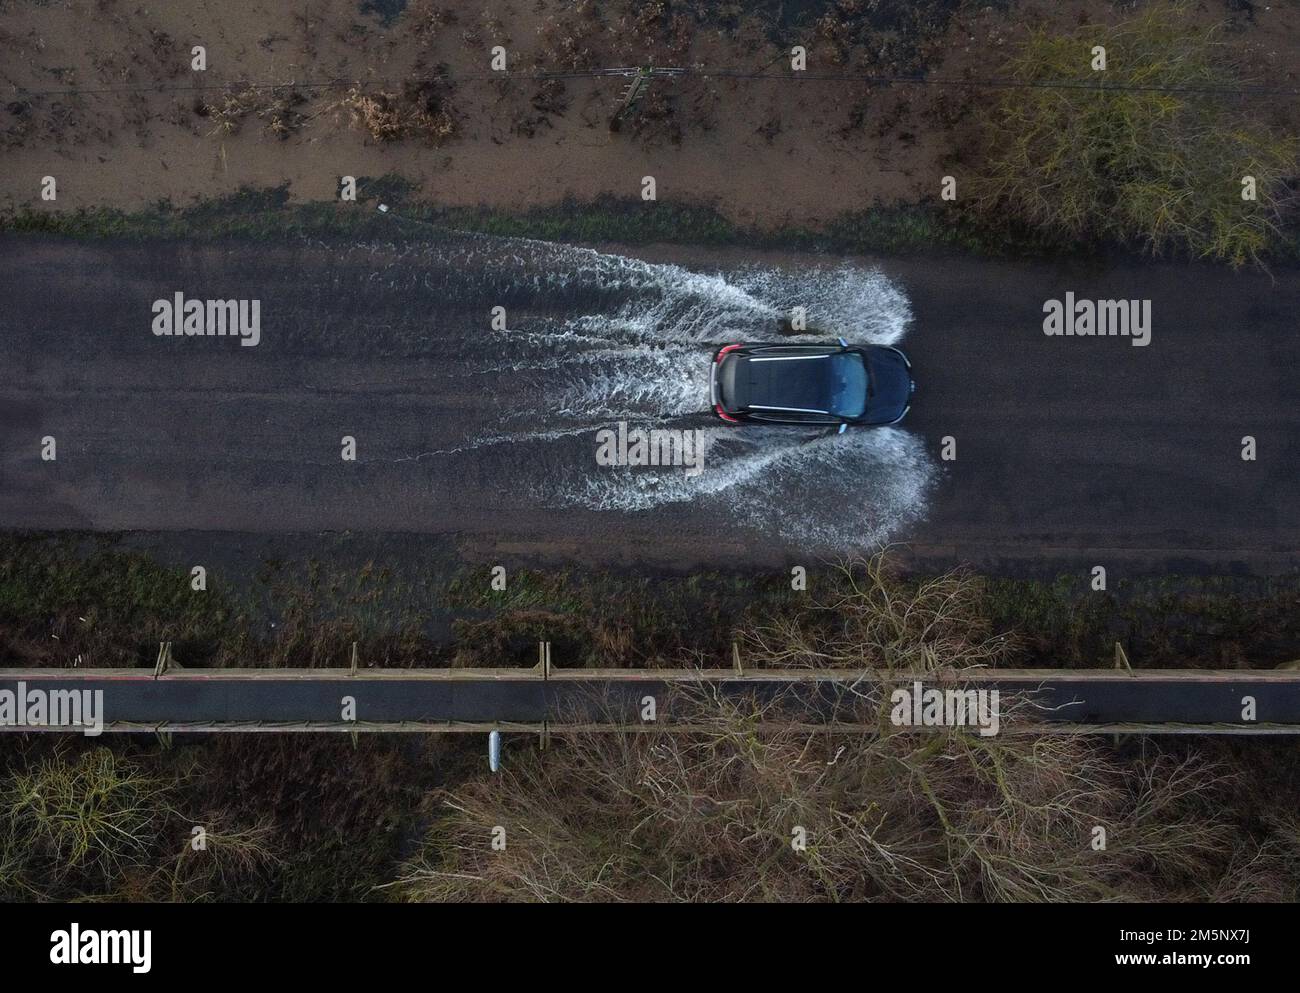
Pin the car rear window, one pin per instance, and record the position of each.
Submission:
(732, 395)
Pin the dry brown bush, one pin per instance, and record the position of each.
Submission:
(869, 617)
(707, 812)
(278, 108)
(421, 110)
(710, 815)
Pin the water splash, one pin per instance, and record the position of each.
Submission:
(831, 491)
(596, 338)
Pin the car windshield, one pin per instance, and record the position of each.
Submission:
(848, 385)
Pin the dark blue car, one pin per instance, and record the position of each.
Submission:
(841, 384)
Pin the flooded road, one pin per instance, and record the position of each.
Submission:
(460, 427)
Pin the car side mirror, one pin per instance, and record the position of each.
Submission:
(843, 428)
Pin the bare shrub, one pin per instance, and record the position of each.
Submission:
(279, 108)
(710, 815)
(422, 110)
(227, 112)
(282, 115)
(228, 857)
(871, 618)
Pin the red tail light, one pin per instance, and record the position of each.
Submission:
(724, 415)
(721, 352)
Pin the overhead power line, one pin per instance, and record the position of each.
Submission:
(698, 72)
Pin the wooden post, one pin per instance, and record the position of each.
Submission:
(1121, 662)
(544, 659)
(630, 96)
(544, 664)
(1121, 659)
(164, 658)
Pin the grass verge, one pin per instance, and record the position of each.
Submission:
(250, 213)
(87, 600)
(267, 213)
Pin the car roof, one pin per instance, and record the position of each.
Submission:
(785, 382)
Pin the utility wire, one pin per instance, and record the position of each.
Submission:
(697, 72)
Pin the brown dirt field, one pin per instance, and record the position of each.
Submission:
(763, 152)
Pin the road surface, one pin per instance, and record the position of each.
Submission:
(1086, 449)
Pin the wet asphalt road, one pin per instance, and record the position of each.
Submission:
(1083, 449)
